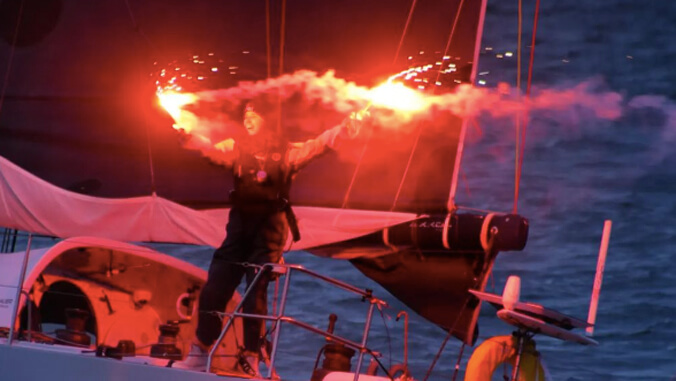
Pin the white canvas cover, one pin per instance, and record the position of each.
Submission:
(30, 204)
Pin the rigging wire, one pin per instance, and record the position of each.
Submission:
(356, 170)
(518, 44)
(451, 202)
(401, 40)
(532, 48)
(137, 28)
(268, 48)
(417, 139)
(408, 166)
(387, 334)
(490, 253)
(282, 36)
(153, 185)
(19, 16)
(450, 205)
(419, 128)
(522, 147)
(368, 139)
(443, 343)
(151, 166)
(450, 35)
(517, 131)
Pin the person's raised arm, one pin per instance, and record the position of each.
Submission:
(300, 154)
(220, 153)
(223, 152)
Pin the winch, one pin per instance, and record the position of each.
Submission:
(337, 356)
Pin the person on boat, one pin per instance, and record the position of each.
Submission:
(263, 165)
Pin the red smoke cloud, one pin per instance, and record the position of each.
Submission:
(313, 102)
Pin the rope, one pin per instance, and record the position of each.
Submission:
(11, 54)
(457, 364)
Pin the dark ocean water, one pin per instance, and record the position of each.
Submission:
(579, 170)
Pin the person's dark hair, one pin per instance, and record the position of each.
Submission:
(268, 134)
(253, 105)
(249, 106)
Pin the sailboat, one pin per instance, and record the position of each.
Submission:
(89, 157)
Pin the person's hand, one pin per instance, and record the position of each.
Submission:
(183, 136)
(355, 122)
(192, 140)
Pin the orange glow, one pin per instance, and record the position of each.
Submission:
(173, 102)
(396, 96)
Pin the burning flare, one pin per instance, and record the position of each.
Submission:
(398, 97)
(173, 102)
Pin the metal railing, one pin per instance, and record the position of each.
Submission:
(19, 291)
(279, 317)
(9, 237)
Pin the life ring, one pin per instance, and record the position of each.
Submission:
(498, 350)
(396, 368)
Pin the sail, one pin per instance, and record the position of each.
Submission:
(79, 110)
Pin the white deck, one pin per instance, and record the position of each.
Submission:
(33, 361)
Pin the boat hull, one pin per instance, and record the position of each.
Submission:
(33, 361)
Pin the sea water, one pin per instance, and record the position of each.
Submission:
(578, 171)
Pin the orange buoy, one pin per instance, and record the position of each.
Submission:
(499, 350)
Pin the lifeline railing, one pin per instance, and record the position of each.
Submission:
(19, 292)
(285, 269)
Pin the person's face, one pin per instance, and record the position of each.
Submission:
(253, 122)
